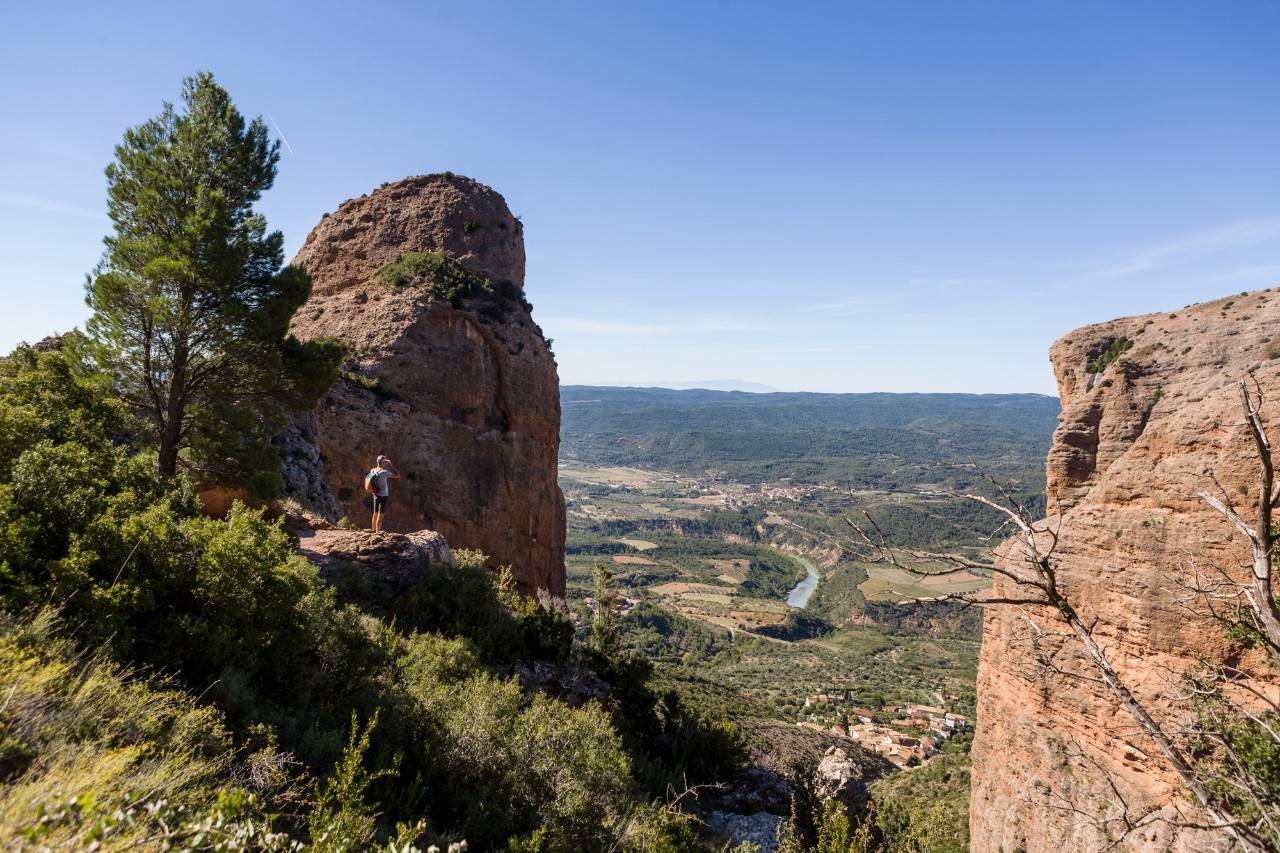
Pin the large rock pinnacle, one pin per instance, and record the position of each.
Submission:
(449, 376)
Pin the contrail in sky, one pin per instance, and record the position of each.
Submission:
(281, 132)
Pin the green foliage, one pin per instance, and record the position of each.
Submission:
(85, 524)
(191, 302)
(658, 634)
(76, 725)
(517, 763)
(228, 608)
(469, 600)
(1117, 348)
(604, 619)
(798, 625)
(1241, 763)
(341, 819)
(927, 808)
(445, 279)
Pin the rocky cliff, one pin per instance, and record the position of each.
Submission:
(449, 376)
(1150, 415)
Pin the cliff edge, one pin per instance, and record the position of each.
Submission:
(1150, 415)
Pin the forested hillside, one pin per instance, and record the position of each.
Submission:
(882, 441)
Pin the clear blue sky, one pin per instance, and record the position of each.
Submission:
(890, 196)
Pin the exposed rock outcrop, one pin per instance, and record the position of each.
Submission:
(1155, 420)
(389, 564)
(751, 805)
(450, 377)
(304, 476)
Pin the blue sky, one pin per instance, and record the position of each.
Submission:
(832, 197)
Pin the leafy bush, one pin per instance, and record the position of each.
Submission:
(1117, 348)
(229, 610)
(447, 280)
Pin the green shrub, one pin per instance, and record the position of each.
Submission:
(1117, 348)
(445, 279)
(517, 763)
(235, 616)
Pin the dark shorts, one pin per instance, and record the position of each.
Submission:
(380, 503)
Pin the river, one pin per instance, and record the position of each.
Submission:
(800, 594)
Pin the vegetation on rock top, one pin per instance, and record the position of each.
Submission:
(447, 280)
(1117, 348)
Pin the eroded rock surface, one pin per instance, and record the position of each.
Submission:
(457, 386)
(390, 564)
(1135, 444)
(751, 805)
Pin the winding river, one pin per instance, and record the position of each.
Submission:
(801, 592)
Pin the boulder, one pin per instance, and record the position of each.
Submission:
(386, 565)
(759, 829)
(449, 376)
(839, 778)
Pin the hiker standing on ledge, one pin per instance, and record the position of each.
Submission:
(376, 482)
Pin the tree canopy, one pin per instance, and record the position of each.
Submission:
(192, 301)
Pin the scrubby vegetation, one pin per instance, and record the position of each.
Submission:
(1114, 350)
(445, 279)
(174, 681)
(286, 706)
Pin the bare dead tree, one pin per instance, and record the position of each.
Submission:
(1030, 568)
(1260, 603)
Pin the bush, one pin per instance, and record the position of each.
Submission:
(445, 279)
(230, 611)
(1117, 348)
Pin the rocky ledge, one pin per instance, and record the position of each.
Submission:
(389, 563)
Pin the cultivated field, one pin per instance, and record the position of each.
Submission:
(629, 560)
(890, 583)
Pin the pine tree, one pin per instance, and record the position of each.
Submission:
(191, 301)
(604, 621)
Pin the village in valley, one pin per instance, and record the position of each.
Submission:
(904, 735)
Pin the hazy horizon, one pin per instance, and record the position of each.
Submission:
(758, 389)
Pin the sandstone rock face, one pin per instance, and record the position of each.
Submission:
(1134, 445)
(462, 393)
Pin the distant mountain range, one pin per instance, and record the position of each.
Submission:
(717, 385)
(593, 408)
(875, 440)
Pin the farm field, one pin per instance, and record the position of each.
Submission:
(704, 564)
(891, 583)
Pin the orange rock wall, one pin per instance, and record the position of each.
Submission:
(1133, 447)
(467, 406)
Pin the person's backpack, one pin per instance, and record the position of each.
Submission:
(371, 481)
